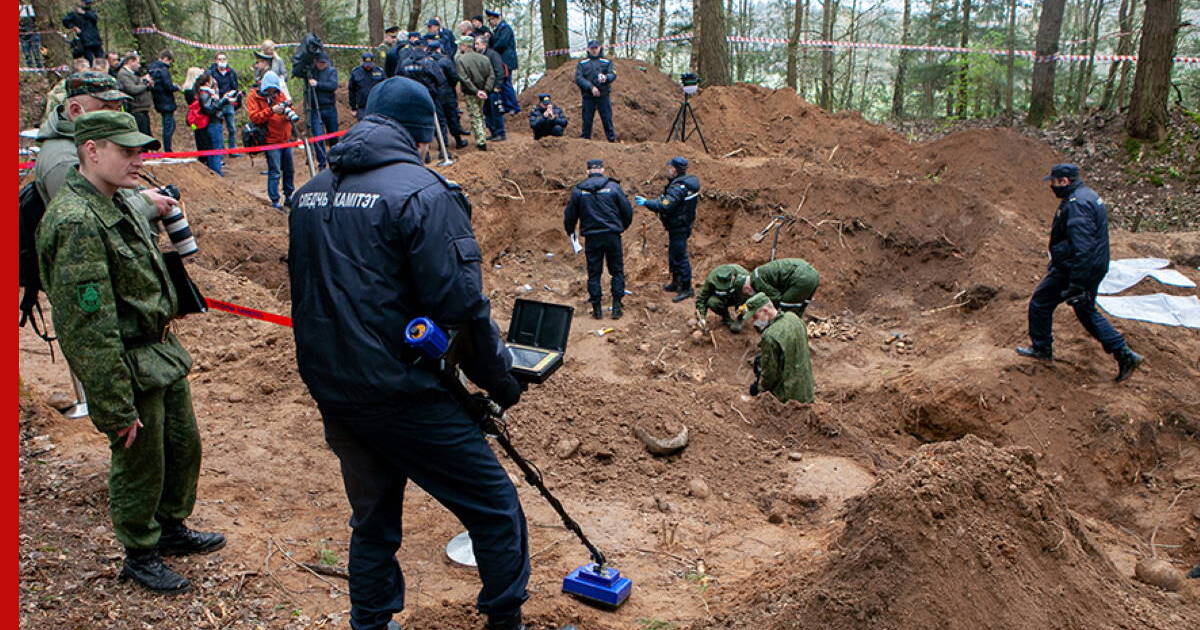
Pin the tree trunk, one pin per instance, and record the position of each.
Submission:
(1086, 83)
(1135, 42)
(414, 15)
(963, 42)
(375, 21)
(149, 44)
(898, 88)
(47, 18)
(662, 29)
(470, 8)
(312, 18)
(1010, 69)
(603, 21)
(929, 85)
(1041, 95)
(712, 63)
(828, 19)
(612, 32)
(793, 49)
(1124, 24)
(1147, 118)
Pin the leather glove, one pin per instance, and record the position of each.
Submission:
(508, 393)
(754, 388)
(1075, 295)
(639, 200)
(757, 367)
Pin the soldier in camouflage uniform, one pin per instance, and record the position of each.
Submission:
(721, 292)
(476, 77)
(113, 303)
(783, 366)
(789, 283)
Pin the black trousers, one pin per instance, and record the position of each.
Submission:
(441, 449)
(602, 104)
(677, 257)
(1048, 295)
(143, 121)
(602, 249)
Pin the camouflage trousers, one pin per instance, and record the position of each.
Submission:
(475, 111)
(154, 480)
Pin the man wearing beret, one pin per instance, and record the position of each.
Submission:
(113, 303)
(783, 366)
(376, 241)
(1078, 262)
(546, 118)
(722, 291)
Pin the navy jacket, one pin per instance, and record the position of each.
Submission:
(599, 206)
(361, 82)
(450, 72)
(538, 120)
(676, 208)
(163, 89)
(376, 240)
(326, 88)
(497, 66)
(1079, 236)
(424, 69)
(587, 71)
(505, 43)
(89, 33)
(225, 82)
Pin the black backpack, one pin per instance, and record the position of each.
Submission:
(30, 211)
(254, 135)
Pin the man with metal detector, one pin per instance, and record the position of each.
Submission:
(376, 241)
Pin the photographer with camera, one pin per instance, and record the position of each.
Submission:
(268, 108)
(136, 83)
(226, 82)
(212, 105)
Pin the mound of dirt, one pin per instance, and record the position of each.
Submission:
(644, 101)
(981, 528)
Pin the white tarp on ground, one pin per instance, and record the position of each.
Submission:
(1127, 272)
(1160, 308)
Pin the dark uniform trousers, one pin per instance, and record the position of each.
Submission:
(604, 105)
(440, 448)
(154, 480)
(677, 256)
(1048, 295)
(601, 249)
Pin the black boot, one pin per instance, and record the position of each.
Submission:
(1045, 354)
(1127, 362)
(685, 292)
(597, 312)
(671, 286)
(146, 567)
(617, 312)
(178, 540)
(459, 143)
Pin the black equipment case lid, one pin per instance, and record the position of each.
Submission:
(537, 338)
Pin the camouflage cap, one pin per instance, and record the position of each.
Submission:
(95, 84)
(466, 40)
(116, 127)
(752, 306)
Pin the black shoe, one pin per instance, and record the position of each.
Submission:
(496, 137)
(1127, 362)
(684, 293)
(147, 569)
(459, 143)
(670, 287)
(178, 540)
(509, 622)
(481, 147)
(1194, 573)
(1036, 353)
(597, 312)
(617, 312)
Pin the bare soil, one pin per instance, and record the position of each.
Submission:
(938, 481)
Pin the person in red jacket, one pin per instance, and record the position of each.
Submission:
(266, 106)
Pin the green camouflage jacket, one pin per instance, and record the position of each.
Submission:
(112, 299)
(786, 364)
(719, 289)
(789, 282)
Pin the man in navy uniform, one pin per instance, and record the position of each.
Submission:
(676, 209)
(594, 76)
(1078, 262)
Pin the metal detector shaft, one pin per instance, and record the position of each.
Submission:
(483, 409)
(437, 127)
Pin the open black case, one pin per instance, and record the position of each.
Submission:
(537, 339)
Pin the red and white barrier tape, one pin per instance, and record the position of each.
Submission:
(246, 311)
(208, 152)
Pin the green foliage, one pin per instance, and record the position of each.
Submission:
(328, 558)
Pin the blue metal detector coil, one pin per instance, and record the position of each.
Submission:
(424, 335)
(601, 585)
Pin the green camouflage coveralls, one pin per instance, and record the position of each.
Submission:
(789, 282)
(719, 293)
(786, 364)
(112, 300)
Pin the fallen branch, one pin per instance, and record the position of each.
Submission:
(744, 419)
(519, 193)
(1170, 507)
(733, 153)
(324, 569)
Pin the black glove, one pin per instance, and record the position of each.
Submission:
(757, 367)
(1075, 295)
(508, 393)
(754, 388)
